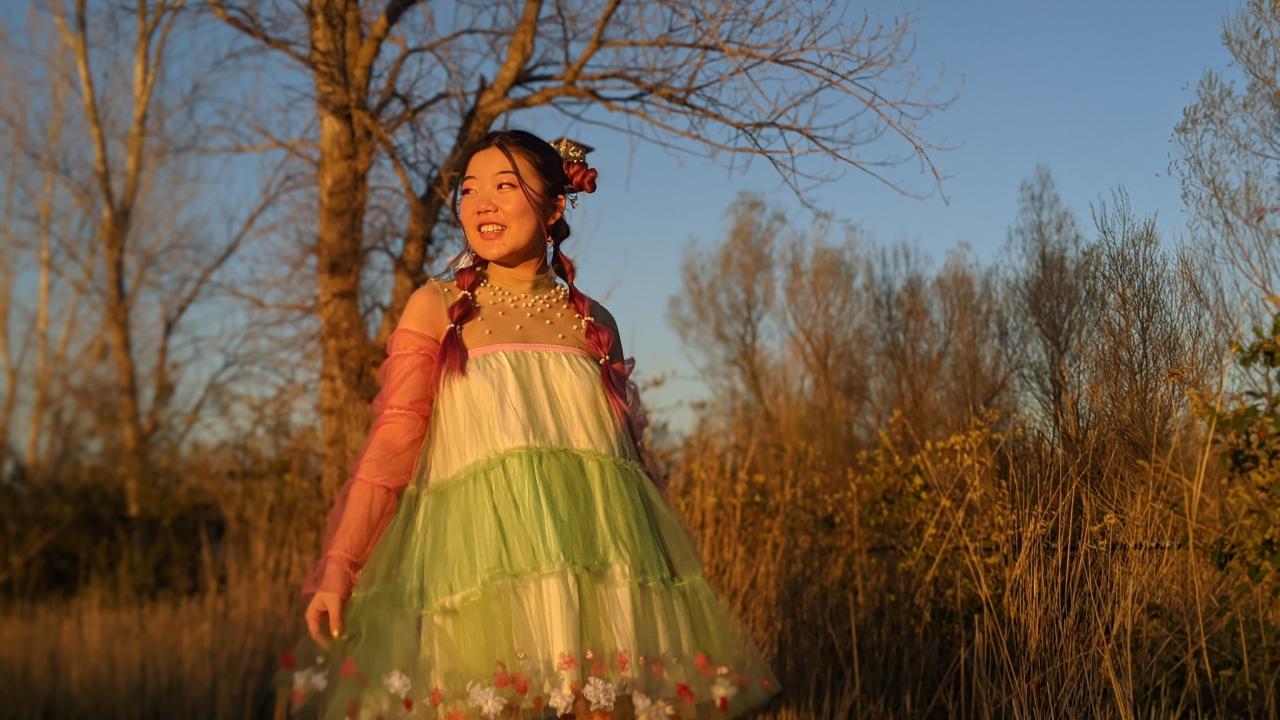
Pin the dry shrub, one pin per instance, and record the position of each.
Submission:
(107, 652)
(983, 575)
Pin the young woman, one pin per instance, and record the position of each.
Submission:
(500, 548)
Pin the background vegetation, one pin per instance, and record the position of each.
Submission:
(1043, 487)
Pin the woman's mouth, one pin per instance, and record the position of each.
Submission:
(489, 231)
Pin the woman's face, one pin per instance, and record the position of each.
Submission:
(497, 218)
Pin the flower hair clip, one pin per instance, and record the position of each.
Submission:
(582, 178)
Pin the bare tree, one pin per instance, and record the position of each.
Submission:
(33, 125)
(157, 256)
(1230, 156)
(8, 271)
(1052, 289)
(826, 321)
(724, 310)
(980, 366)
(1153, 343)
(45, 232)
(797, 85)
(117, 190)
(911, 337)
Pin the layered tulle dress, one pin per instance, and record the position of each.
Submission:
(504, 550)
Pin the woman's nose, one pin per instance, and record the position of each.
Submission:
(484, 202)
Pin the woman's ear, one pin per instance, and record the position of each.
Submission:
(558, 212)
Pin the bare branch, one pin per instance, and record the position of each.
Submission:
(248, 23)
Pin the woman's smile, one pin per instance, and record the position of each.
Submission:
(490, 230)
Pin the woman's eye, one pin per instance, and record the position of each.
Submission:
(506, 184)
(466, 191)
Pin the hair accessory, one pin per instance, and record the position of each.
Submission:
(571, 150)
(582, 178)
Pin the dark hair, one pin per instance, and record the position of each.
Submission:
(557, 177)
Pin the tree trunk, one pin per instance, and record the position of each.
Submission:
(410, 272)
(44, 212)
(344, 379)
(346, 154)
(132, 443)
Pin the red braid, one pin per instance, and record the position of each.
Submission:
(599, 337)
(452, 356)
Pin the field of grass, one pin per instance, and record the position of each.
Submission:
(977, 576)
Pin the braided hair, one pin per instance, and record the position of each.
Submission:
(558, 177)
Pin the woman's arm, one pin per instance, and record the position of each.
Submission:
(401, 412)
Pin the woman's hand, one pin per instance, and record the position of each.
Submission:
(324, 604)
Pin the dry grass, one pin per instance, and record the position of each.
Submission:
(979, 576)
(984, 577)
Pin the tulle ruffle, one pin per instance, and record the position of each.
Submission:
(529, 578)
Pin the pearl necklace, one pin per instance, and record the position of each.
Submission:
(530, 303)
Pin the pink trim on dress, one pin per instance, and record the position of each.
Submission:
(552, 347)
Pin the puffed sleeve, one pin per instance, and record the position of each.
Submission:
(367, 500)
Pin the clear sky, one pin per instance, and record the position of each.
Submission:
(1091, 89)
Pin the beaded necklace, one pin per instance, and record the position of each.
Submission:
(531, 303)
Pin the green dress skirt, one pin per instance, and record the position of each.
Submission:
(530, 562)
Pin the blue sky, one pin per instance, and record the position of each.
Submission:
(1090, 89)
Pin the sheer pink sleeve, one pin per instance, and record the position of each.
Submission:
(367, 500)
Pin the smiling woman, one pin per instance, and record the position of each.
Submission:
(500, 210)
(503, 546)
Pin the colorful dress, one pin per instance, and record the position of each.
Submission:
(504, 549)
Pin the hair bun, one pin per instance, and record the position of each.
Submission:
(581, 177)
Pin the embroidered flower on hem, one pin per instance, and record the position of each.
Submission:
(437, 697)
(647, 708)
(501, 677)
(566, 662)
(723, 689)
(485, 698)
(397, 683)
(624, 661)
(600, 692)
(314, 679)
(562, 701)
